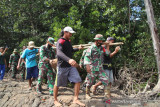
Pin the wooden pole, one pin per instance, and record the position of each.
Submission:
(87, 45)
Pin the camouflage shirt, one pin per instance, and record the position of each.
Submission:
(93, 57)
(14, 59)
(20, 55)
(45, 53)
(81, 62)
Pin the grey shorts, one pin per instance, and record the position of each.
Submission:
(65, 74)
(110, 75)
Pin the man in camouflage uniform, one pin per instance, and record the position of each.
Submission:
(47, 54)
(93, 64)
(107, 66)
(13, 62)
(22, 65)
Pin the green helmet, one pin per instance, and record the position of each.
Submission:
(51, 40)
(99, 37)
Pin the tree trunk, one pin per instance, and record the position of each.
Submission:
(129, 16)
(155, 37)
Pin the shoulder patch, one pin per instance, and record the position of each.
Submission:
(61, 41)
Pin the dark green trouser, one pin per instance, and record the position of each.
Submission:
(14, 70)
(44, 70)
(23, 69)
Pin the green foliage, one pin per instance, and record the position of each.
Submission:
(156, 7)
(26, 20)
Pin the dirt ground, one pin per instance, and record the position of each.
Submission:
(14, 93)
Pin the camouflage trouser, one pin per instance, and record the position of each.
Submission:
(23, 69)
(101, 75)
(14, 70)
(44, 70)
